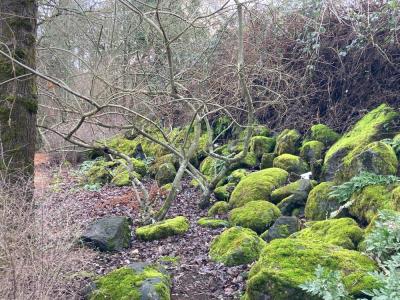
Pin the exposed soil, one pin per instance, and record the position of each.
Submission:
(194, 275)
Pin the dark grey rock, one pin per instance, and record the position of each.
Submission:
(282, 228)
(108, 234)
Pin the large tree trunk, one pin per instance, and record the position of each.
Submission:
(18, 92)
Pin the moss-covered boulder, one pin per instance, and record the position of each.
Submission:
(122, 177)
(257, 186)
(165, 174)
(248, 162)
(108, 233)
(267, 160)
(212, 223)
(288, 141)
(222, 193)
(377, 157)
(380, 123)
(167, 158)
(256, 215)
(237, 175)
(343, 232)
(99, 171)
(261, 144)
(291, 163)
(319, 205)
(285, 191)
(236, 246)
(258, 130)
(312, 151)
(136, 281)
(283, 227)
(294, 204)
(285, 264)
(218, 208)
(210, 166)
(159, 230)
(370, 199)
(323, 134)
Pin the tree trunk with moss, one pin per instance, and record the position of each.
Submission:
(18, 93)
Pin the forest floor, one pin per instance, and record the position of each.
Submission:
(194, 276)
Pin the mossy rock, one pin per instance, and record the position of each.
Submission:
(159, 230)
(261, 144)
(312, 151)
(285, 264)
(267, 160)
(221, 128)
(218, 208)
(283, 227)
(258, 130)
(212, 223)
(343, 232)
(323, 134)
(222, 193)
(168, 158)
(319, 205)
(370, 200)
(256, 215)
(285, 191)
(291, 163)
(100, 172)
(377, 157)
(211, 166)
(258, 186)
(137, 281)
(248, 162)
(380, 123)
(165, 174)
(121, 177)
(237, 175)
(236, 246)
(288, 141)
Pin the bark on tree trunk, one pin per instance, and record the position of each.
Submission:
(18, 91)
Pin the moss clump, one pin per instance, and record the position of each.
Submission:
(343, 232)
(283, 192)
(371, 199)
(380, 123)
(167, 158)
(248, 162)
(258, 130)
(219, 208)
(284, 264)
(319, 205)
(237, 175)
(100, 172)
(163, 229)
(236, 246)
(261, 144)
(290, 163)
(267, 160)
(257, 186)
(288, 142)
(222, 193)
(129, 283)
(283, 227)
(165, 174)
(212, 223)
(324, 134)
(211, 166)
(121, 176)
(312, 151)
(377, 157)
(256, 215)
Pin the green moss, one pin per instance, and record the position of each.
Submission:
(167, 187)
(376, 125)
(312, 151)
(371, 199)
(100, 172)
(219, 208)
(284, 264)
(288, 141)
(283, 192)
(324, 134)
(256, 215)
(237, 175)
(168, 158)
(257, 186)
(290, 163)
(236, 246)
(165, 174)
(258, 130)
(248, 162)
(126, 282)
(163, 229)
(396, 198)
(267, 160)
(120, 176)
(211, 166)
(377, 157)
(343, 232)
(212, 223)
(222, 193)
(261, 144)
(319, 205)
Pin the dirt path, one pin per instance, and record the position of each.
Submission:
(195, 277)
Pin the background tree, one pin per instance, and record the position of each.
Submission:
(18, 93)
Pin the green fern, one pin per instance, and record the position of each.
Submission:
(344, 191)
